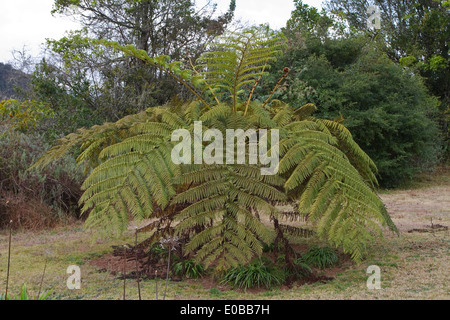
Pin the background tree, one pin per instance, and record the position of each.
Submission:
(349, 77)
(414, 33)
(91, 84)
(163, 27)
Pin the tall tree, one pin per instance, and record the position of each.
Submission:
(415, 33)
(160, 27)
(107, 85)
(348, 77)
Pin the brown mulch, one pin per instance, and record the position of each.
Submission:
(119, 261)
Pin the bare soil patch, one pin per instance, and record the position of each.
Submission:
(421, 209)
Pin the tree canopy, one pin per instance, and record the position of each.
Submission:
(351, 77)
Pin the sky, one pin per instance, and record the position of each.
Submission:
(274, 12)
(25, 24)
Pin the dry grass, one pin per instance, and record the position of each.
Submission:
(414, 265)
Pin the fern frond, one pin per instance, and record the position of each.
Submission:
(174, 69)
(335, 184)
(227, 202)
(296, 231)
(236, 60)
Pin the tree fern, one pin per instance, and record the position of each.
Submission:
(216, 209)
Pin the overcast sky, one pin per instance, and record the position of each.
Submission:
(27, 23)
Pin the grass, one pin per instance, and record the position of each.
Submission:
(259, 274)
(321, 257)
(413, 266)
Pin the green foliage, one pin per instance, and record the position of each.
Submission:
(24, 115)
(387, 109)
(237, 60)
(258, 274)
(191, 269)
(158, 249)
(215, 208)
(72, 105)
(308, 19)
(320, 257)
(23, 295)
(414, 33)
(302, 268)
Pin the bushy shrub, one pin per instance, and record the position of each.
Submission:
(24, 115)
(34, 199)
(387, 108)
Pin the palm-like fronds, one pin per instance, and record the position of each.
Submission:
(223, 203)
(236, 61)
(333, 179)
(216, 208)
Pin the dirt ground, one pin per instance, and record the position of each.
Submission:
(418, 207)
(414, 265)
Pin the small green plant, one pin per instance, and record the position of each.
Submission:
(191, 269)
(256, 274)
(281, 259)
(302, 268)
(157, 249)
(23, 295)
(320, 257)
(158, 252)
(272, 247)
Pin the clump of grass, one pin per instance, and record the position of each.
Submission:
(191, 269)
(302, 268)
(320, 257)
(258, 274)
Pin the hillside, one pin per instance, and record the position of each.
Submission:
(10, 79)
